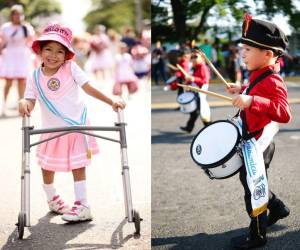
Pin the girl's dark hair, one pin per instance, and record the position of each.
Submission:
(44, 43)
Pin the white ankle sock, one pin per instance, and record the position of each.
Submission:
(80, 192)
(50, 191)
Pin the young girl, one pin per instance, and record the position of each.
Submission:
(56, 84)
(124, 72)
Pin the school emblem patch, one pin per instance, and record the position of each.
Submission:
(53, 84)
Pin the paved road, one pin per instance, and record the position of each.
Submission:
(190, 211)
(109, 229)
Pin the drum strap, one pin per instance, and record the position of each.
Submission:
(245, 134)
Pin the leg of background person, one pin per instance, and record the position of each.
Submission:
(21, 87)
(204, 107)
(8, 84)
(156, 74)
(162, 71)
(7, 87)
(193, 117)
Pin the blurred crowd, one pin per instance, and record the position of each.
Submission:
(226, 57)
(125, 57)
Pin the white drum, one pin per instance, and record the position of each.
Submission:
(216, 149)
(187, 101)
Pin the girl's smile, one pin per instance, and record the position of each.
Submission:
(53, 56)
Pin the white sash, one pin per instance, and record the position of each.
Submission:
(254, 163)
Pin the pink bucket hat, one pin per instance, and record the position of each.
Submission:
(57, 33)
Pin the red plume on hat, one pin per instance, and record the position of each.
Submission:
(247, 20)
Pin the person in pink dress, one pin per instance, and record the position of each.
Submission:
(124, 73)
(16, 55)
(100, 59)
(56, 83)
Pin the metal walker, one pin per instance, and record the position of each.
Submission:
(27, 130)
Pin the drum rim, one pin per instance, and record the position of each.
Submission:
(225, 177)
(225, 159)
(188, 101)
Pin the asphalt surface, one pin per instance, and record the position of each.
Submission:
(190, 211)
(109, 229)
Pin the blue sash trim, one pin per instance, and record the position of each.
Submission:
(51, 107)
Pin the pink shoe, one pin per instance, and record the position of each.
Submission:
(57, 205)
(78, 212)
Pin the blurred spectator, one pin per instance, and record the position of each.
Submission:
(207, 49)
(16, 37)
(124, 72)
(114, 38)
(234, 67)
(129, 38)
(140, 57)
(100, 58)
(158, 64)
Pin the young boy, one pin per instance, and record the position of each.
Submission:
(200, 78)
(263, 103)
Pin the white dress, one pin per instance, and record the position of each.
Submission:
(16, 56)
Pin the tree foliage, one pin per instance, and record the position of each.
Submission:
(32, 8)
(115, 14)
(172, 18)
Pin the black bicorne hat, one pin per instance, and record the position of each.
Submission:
(263, 34)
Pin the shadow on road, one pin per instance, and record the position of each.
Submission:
(46, 235)
(286, 130)
(203, 241)
(171, 137)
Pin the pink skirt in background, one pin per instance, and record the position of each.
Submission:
(65, 153)
(132, 87)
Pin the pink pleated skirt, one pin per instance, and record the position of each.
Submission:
(65, 153)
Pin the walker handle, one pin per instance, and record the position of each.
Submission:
(120, 115)
(26, 121)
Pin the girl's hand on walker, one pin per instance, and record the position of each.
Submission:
(118, 104)
(25, 107)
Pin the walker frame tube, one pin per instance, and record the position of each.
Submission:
(27, 131)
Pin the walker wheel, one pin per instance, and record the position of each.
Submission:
(21, 224)
(137, 223)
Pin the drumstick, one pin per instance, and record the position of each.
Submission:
(172, 66)
(212, 67)
(182, 70)
(205, 92)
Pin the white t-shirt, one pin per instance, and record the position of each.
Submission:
(63, 90)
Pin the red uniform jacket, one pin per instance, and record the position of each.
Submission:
(201, 74)
(184, 63)
(269, 101)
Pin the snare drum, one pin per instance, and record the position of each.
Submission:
(216, 149)
(187, 101)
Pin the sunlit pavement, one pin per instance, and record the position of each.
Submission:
(190, 211)
(109, 229)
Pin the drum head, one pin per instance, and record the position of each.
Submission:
(185, 97)
(215, 144)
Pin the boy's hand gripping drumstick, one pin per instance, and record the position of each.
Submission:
(205, 92)
(201, 53)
